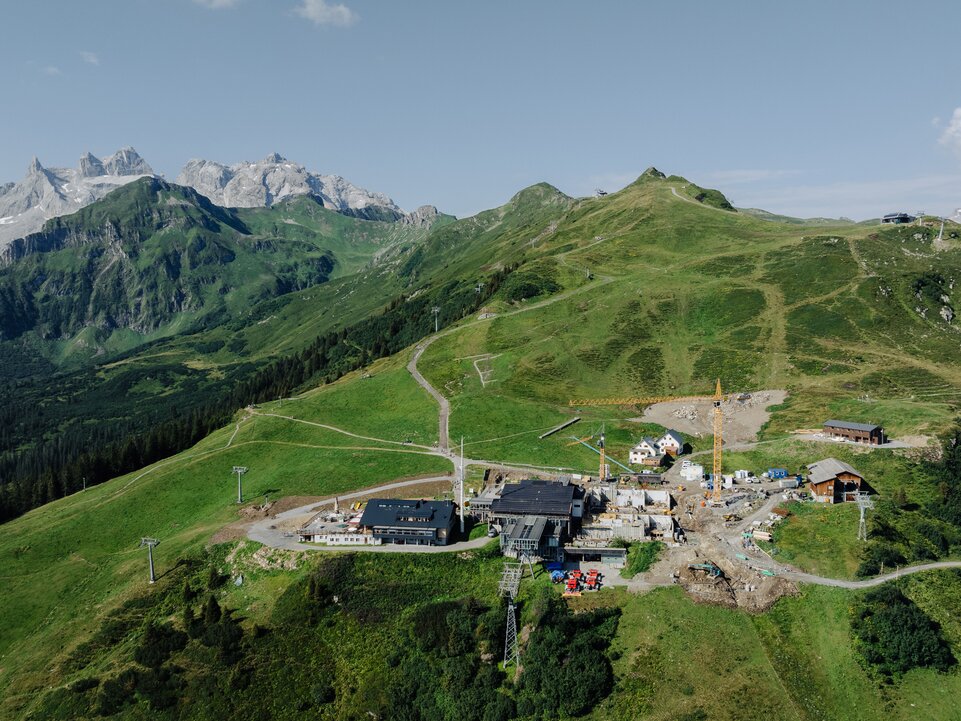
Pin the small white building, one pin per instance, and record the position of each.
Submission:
(644, 451)
(693, 472)
(671, 443)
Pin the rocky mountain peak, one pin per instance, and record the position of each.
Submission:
(91, 166)
(266, 182)
(127, 161)
(46, 193)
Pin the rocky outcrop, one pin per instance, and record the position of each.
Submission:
(265, 182)
(46, 193)
(424, 216)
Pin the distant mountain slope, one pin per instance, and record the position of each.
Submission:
(154, 258)
(261, 184)
(46, 193)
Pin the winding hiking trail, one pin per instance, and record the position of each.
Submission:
(868, 582)
(443, 415)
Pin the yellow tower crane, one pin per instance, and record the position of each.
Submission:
(716, 399)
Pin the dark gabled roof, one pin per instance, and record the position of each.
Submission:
(829, 468)
(399, 513)
(678, 438)
(867, 427)
(535, 498)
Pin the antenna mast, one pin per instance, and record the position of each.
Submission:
(460, 484)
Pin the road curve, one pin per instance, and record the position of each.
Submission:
(868, 582)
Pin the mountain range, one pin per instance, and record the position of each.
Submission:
(47, 193)
(304, 373)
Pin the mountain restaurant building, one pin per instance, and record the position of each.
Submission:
(419, 523)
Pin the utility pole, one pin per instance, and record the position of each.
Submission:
(85, 483)
(240, 471)
(436, 311)
(460, 502)
(150, 543)
(864, 502)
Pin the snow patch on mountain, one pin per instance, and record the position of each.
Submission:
(46, 193)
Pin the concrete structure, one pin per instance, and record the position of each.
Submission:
(393, 520)
(834, 481)
(855, 432)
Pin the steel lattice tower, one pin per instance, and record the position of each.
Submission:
(510, 583)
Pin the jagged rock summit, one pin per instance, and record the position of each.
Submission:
(265, 182)
(46, 193)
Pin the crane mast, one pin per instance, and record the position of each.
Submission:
(718, 419)
(716, 400)
(602, 476)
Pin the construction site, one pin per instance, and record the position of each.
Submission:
(715, 528)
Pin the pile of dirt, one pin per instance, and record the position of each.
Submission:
(737, 587)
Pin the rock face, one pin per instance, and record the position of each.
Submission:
(425, 215)
(263, 183)
(46, 193)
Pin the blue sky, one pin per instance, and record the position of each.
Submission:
(813, 108)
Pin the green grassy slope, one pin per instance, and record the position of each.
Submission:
(70, 561)
(645, 293)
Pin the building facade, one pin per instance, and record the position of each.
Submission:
(834, 481)
(855, 432)
(409, 522)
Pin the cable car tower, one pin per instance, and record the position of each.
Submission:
(509, 585)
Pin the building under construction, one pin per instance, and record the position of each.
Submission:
(566, 521)
(534, 517)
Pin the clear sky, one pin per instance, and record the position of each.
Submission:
(807, 108)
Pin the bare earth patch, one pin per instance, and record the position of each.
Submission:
(743, 419)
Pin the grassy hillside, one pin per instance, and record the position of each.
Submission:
(641, 292)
